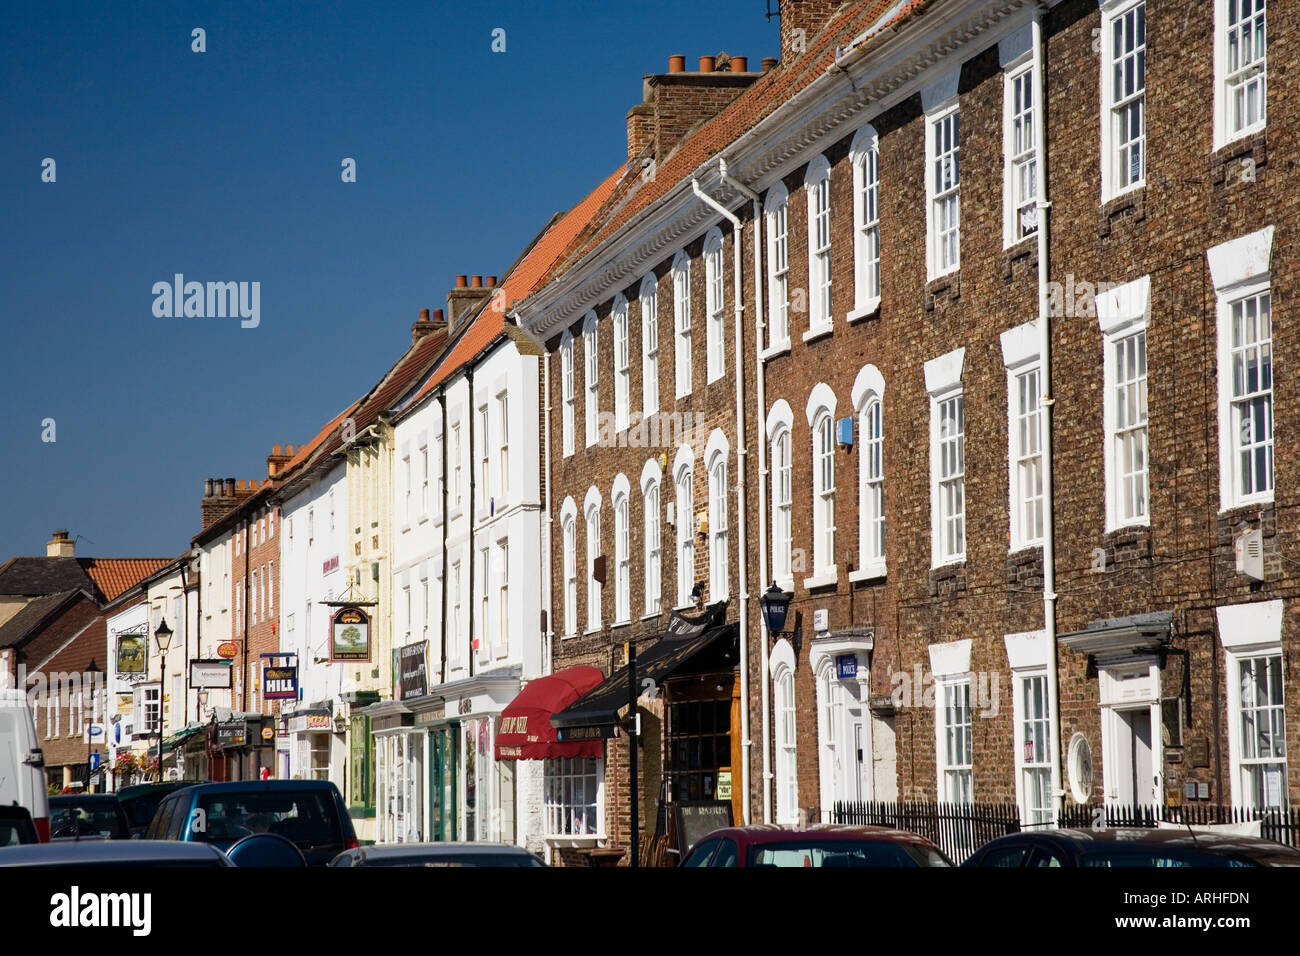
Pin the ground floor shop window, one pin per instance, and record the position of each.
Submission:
(699, 737)
(488, 785)
(400, 766)
(319, 766)
(573, 796)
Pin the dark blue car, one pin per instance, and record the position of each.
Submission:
(309, 813)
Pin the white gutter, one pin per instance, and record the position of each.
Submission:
(761, 432)
(741, 453)
(1045, 410)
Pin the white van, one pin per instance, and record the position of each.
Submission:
(22, 765)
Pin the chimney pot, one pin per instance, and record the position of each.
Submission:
(230, 487)
(491, 281)
(460, 282)
(476, 282)
(207, 487)
(277, 450)
(424, 315)
(288, 450)
(707, 63)
(677, 63)
(768, 62)
(740, 64)
(438, 315)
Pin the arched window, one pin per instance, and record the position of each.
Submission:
(592, 406)
(566, 388)
(622, 373)
(715, 456)
(649, 298)
(817, 183)
(821, 418)
(591, 508)
(779, 422)
(868, 399)
(682, 321)
(683, 478)
(569, 526)
(865, 157)
(776, 209)
(622, 551)
(713, 295)
(787, 769)
(653, 542)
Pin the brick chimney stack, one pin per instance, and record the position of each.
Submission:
(279, 457)
(464, 298)
(60, 546)
(673, 103)
(428, 324)
(801, 20)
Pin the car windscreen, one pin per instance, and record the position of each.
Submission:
(304, 817)
(86, 820)
(841, 853)
(140, 809)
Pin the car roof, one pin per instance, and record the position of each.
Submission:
(164, 786)
(777, 833)
(260, 786)
(94, 852)
(81, 799)
(1166, 836)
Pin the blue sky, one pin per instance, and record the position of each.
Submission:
(225, 166)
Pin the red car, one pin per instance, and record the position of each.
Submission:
(764, 844)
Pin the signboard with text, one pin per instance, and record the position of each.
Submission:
(350, 635)
(210, 674)
(412, 661)
(279, 683)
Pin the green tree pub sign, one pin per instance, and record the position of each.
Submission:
(350, 635)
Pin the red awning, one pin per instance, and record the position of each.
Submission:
(525, 732)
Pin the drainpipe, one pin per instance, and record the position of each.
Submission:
(548, 519)
(741, 505)
(469, 518)
(761, 433)
(1045, 405)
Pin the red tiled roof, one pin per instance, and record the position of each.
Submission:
(521, 281)
(114, 575)
(764, 96)
(305, 451)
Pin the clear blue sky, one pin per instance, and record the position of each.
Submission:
(225, 166)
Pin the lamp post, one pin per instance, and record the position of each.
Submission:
(163, 636)
(93, 668)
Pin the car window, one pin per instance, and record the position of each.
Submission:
(305, 817)
(700, 854)
(95, 819)
(1012, 854)
(1045, 856)
(140, 810)
(1161, 857)
(831, 853)
(728, 854)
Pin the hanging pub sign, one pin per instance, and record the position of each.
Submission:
(350, 635)
(279, 683)
(131, 655)
(414, 680)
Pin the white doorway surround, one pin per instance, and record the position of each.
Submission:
(845, 729)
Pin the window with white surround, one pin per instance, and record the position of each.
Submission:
(683, 478)
(1240, 69)
(1122, 314)
(780, 421)
(622, 373)
(1024, 435)
(864, 154)
(424, 609)
(406, 489)
(592, 382)
(715, 458)
(424, 481)
(148, 710)
(569, 533)
(649, 297)
(622, 550)
(503, 597)
(455, 631)
(817, 184)
(503, 446)
(1123, 91)
(406, 602)
(952, 697)
(591, 509)
(650, 475)
(484, 476)
(485, 588)
(1027, 654)
(1251, 635)
(776, 209)
(821, 419)
(868, 402)
(942, 175)
(574, 802)
(455, 468)
(566, 391)
(1240, 270)
(782, 663)
(270, 586)
(681, 274)
(947, 458)
(714, 300)
(1020, 116)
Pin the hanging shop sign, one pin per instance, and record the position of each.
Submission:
(132, 654)
(414, 681)
(228, 650)
(279, 683)
(210, 674)
(350, 635)
(232, 734)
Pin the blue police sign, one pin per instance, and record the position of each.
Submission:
(846, 665)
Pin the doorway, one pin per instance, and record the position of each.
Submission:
(1134, 767)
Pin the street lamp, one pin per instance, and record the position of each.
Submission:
(776, 605)
(163, 636)
(93, 668)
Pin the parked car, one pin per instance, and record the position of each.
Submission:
(22, 765)
(1133, 847)
(309, 813)
(81, 816)
(140, 800)
(438, 854)
(129, 853)
(16, 827)
(765, 844)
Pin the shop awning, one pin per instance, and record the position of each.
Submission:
(170, 742)
(596, 714)
(525, 731)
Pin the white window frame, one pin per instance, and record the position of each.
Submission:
(1240, 270)
(869, 404)
(715, 302)
(1116, 101)
(559, 790)
(1027, 655)
(864, 156)
(457, 497)
(424, 481)
(503, 447)
(715, 456)
(950, 668)
(622, 498)
(591, 380)
(566, 391)
(817, 188)
(785, 737)
(502, 647)
(622, 372)
(1020, 356)
(406, 488)
(1249, 632)
(941, 105)
(652, 509)
(1226, 129)
(1123, 313)
(681, 283)
(591, 517)
(943, 382)
(484, 464)
(776, 209)
(684, 487)
(1021, 115)
(780, 436)
(649, 299)
(821, 423)
(569, 544)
